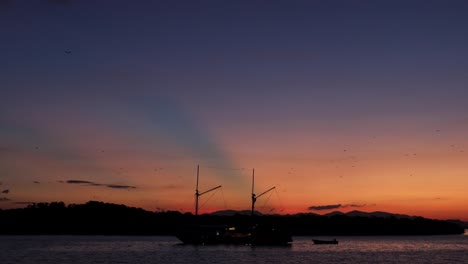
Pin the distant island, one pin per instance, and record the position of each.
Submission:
(99, 218)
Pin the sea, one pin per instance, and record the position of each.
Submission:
(167, 249)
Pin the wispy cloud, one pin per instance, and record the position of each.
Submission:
(90, 183)
(79, 182)
(23, 202)
(324, 207)
(4, 199)
(358, 205)
(336, 206)
(6, 191)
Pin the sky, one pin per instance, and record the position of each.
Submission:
(341, 105)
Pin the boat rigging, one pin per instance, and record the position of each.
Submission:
(255, 197)
(198, 193)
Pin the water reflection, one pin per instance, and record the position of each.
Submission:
(113, 249)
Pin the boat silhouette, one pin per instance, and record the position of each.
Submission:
(254, 234)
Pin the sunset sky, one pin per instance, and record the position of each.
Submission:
(342, 105)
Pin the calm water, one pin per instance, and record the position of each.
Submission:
(115, 249)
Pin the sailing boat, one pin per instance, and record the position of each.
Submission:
(266, 233)
(201, 234)
(256, 234)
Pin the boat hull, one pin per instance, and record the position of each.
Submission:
(218, 235)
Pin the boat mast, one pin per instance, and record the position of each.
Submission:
(255, 197)
(198, 194)
(196, 191)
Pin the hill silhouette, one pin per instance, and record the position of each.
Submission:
(371, 214)
(99, 218)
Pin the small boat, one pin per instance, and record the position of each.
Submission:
(325, 242)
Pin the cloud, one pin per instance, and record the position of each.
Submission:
(324, 207)
(6, 191)
(23, 202)
(36, 182)
(356, 205)
(79, 182)
(336, 206)
(83, 182)
(90, 183)
(4, 199)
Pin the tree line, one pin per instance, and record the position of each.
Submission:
(98, 218)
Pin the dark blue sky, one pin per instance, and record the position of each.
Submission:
(350, 53)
